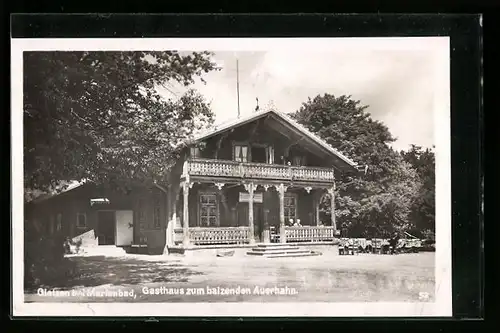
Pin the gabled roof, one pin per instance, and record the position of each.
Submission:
(64, 188)
(228, 125)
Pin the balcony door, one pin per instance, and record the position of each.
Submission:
(256, 152)
(262, 154)
(259, 154)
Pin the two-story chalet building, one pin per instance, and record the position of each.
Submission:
(259, 178)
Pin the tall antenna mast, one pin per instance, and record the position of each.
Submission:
(238, 85)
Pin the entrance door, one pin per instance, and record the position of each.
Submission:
(106, 227)
(258, 218)
(258, 221)
(124, 227)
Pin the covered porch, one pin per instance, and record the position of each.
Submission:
(216, 212)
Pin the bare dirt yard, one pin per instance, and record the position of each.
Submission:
(203, 277)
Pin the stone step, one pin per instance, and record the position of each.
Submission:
(272, 245)
(285, 254)
(291, 255)
(282, 248)
(273, 252)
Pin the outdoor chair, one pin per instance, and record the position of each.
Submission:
(349, 247)
(355, 246)
(379, 246)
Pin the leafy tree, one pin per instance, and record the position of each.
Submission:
(423, 208)
(100, 116)
(379, 202)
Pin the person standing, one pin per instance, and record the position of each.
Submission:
(344, 230)
(394, 242)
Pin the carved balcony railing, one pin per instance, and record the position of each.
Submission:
(215, 235)
(310, 234)
(232, 169)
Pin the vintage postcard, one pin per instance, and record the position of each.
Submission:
(231, 177)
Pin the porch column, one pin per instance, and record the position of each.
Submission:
(168, 221)
(331, 191)
(281, 191)
(250, 188)
(173, 194)
(185, 225)
(317, 202)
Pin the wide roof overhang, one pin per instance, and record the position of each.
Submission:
(293, 131)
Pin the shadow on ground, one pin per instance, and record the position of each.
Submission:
(95, 271)
(363, 278)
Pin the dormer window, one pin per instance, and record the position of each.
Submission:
(241, 153)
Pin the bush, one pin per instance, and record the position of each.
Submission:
(44, 261)
(71, 246)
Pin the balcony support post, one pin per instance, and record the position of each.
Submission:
(331, 191)
(185, 223)
(250, 187)
(281, 191)
(317, 202)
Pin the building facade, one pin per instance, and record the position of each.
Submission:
(259, 178)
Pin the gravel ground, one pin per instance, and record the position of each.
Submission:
(203, 277)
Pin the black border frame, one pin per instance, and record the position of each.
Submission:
(465, 32)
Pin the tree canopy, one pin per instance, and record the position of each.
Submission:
(99, 116)
(423, 208)
(379, 202)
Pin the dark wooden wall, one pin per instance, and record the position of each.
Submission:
(233, 213)
(71, 203)
(263, 135)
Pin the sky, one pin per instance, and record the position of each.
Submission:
(397, 83)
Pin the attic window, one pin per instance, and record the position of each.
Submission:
(195, 152)
(81, 220)
(241, 153)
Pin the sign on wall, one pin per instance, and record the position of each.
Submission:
(245, 197)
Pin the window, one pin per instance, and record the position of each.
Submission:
(81, 220)
(141, 216)
(52, 224)
(195, 152)
(290, 206)
(270, 155)
(241, 153)
(156, 213)
(209, 212)
(37, 225)
(59, 222)
(299, 160)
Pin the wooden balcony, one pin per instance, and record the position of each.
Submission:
(232, 169)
